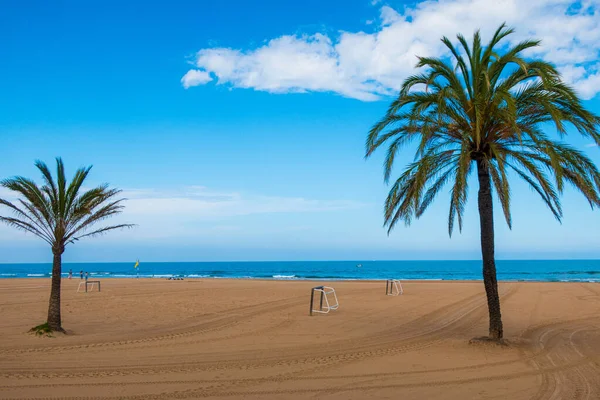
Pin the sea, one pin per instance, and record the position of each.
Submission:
(508, 270)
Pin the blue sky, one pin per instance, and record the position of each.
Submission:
(237, 129)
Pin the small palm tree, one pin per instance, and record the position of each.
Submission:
(59, 215)
(489, 112)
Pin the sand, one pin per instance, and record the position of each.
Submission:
(159, 339)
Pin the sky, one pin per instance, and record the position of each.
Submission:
(236, 129)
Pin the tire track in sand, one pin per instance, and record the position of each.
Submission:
(247, 312)
(386, 342)
(557, 381)
(207, 393)
(442, 321)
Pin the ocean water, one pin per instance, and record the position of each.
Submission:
(508, 270)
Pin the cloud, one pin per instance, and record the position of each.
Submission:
(195, 77)
(369, 65)
(591, 145)
(198, 201)
(286, 64)
(7, 194)
(197, 210)
(201, 202)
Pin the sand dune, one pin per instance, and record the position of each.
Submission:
(158, 339)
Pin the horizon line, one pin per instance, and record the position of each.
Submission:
(292, 261)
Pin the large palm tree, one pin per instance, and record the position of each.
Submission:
(59, 214)
(484, 108)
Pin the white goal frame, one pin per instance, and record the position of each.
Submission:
(393, 287)
(85, 285)
(325, 291)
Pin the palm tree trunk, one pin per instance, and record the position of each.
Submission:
(486, 221)
(54, 319)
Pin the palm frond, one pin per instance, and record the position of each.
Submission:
(33, 221)
(26, 227)
(100, 231)
(52, 192)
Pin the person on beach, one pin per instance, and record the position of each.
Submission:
(70, 273)
(86, 276)
(80, 274)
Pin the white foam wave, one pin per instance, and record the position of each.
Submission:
(284, 276)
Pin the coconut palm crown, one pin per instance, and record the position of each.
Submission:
(485, 108)
(59, 213)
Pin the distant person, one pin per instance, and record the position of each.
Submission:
(70, 273)
(80, 274)
(86, 276)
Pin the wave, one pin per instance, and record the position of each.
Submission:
(283, 276)
(580, 273)
(37, 275)
(429, 279)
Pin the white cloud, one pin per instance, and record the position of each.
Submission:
(198, 211)
(286, 64)
(198, 201)
(195, 210)
(591, 145)
(7, 194)
(195, 77)
(389, 15)
(367, 66)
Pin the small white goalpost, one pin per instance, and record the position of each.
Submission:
(325, 292)
(393, 287)
(88, 286)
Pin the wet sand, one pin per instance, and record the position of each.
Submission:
(159, 339)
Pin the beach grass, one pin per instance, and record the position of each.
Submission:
(42, 330)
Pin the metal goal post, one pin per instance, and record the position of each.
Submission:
(393, 287)
(324, 305)
(88, 286)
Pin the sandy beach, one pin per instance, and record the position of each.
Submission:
(159, 339)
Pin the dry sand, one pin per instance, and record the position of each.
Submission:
(158, 339)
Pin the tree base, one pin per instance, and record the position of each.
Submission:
(45, 330)
(486, 340)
